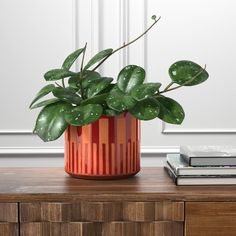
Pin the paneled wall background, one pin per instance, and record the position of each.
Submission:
(38, 35)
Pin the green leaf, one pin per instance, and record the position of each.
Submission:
(99, 99)
(129, 77)
(45, 103)
(57, 74)
(71, 59)
(89, 77)
(119, 101)
(143, 91)
(98, 86)
(171, 111)
(183, 71)
(110, 112)
(108, 88)
(43, 92)
(51, 123)
(83, 115)
(73, 82)
(147, 109)
(67, 95)
(98, 57)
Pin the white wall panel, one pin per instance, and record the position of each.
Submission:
(205, 32)
(37, 35)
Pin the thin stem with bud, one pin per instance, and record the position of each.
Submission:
(129, 43)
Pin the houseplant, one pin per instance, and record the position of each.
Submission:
(100, 118)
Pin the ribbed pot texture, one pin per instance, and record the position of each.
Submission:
(106, 149)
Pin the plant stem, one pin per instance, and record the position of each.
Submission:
(168, 86)
(63, 83)
(127, 44)
(58, 85)
(81, 71)
(82, 62)
(186, 83)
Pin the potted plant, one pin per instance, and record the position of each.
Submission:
(101, 118)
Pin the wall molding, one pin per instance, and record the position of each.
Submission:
(196, 131)
(96, 8)
(145, 26)
(59, 151)
(124, 31)
(16, 131)
(75, 33)
(32, 150)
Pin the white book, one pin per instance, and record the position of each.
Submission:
(209, 155)
(181, 167)
(200, 180)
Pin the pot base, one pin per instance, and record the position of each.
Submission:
(102, 177)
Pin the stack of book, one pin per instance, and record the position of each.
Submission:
(203, 165)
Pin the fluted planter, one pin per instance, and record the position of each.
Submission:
(106, 149)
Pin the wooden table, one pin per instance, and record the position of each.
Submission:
(48, 202)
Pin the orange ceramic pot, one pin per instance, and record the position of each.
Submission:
(106, 149)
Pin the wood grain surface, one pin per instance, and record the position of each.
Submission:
(153, 228)
(210, 219)
(52, 184)
(128, 228)
(51, 203)
(162, 228)
(9, 229)
(50, 212)
(102, 219)
(166, 210)
(60, 229)
(101, 211)
(8, 212)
